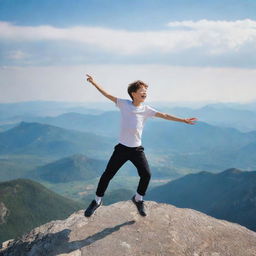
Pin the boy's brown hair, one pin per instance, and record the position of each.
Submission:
(135, 86)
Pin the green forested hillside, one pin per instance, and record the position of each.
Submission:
(25, 204)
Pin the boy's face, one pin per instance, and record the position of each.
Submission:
(140, 95)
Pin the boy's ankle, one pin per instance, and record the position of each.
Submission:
(138, 197)
(98, 200)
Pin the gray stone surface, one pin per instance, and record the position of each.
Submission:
(118, 230)
(3, 212)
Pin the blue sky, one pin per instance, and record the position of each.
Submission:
(129, 14)
(194, 50)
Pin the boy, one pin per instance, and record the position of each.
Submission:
(133, 116)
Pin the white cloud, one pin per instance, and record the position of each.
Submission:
(220, 36)
(213, 37)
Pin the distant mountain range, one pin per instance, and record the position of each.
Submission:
(25, 204)
(105, 124)
(221, 115)
(180, 137)
(20, 110)
(165, 135)
(228, 195)
(45, 140)
(202, 146)
(169, 145)
(233, 115)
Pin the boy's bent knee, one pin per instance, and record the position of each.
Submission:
(145, 174)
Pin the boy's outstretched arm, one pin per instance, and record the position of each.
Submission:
(177, 119)
(100, 89)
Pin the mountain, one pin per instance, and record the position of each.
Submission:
(228, 195)
(11, 113)
(239, 116)
(245, 155)
(17, 166)
(118, 230)
(42, 108)
(25, 204)
(42, 140)
(73, 168)
(198, 147)
(165, 135)
(174, 146)
(222, 115)
(105, 124)
(194, 138)
(251, 106)
(6, 127)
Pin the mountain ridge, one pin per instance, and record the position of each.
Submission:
(43, 139)
(73, 168)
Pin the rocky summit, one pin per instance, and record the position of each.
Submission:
(118, 230)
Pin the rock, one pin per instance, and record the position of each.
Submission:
(3, 212)
(118, 230)
(7, 243)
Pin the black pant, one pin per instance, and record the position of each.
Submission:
(121, 155)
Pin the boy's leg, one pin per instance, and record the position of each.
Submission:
(118, 158)
(140, 161)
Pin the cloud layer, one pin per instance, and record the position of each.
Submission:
(206, 38)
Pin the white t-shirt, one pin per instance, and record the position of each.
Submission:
(132, 121)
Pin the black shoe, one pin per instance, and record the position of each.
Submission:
(91, 208)
(140, 206)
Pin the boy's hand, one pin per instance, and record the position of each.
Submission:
(190, 120)
(89, 78)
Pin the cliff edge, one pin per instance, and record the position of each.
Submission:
(117, 229)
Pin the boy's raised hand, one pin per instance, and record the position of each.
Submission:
(190, 120)
(100, 89)
(89, 78)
